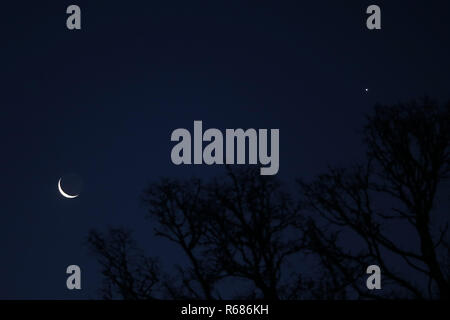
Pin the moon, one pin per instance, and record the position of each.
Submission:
(63, 193)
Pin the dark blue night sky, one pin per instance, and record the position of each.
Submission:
(102, 102)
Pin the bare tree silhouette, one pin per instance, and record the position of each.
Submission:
(240, 227)
(127, 272)
(247, 229)
(408, 160)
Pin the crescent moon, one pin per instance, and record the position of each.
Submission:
(63, 193)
